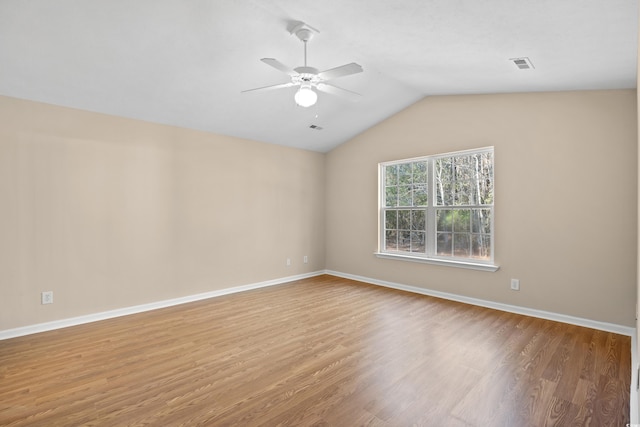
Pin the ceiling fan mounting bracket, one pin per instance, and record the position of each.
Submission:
(304, 32)
(304, 35)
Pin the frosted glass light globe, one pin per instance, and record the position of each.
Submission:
(305, 97)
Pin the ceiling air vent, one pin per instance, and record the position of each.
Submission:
(523, 63)
(315, 127)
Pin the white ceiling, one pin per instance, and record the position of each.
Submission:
(185, 62)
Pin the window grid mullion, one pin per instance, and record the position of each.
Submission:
(430, 215)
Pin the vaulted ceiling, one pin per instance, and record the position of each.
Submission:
(186, 62)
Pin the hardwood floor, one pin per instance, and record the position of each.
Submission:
(321, 351)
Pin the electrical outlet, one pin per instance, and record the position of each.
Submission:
(288, 262)
(47, 297)
(305, 259)
(515, 284)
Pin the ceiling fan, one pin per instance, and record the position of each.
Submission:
(309, 78)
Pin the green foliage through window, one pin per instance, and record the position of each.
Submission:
(439, 206)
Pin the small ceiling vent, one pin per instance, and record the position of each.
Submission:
(316, 127)
(523, 63)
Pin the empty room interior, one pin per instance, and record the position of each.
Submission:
(319, 213)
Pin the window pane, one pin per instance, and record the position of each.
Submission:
(404, 241)
(420, 172)
(461, 245)
(391, 196)
(420, 195)
(444, 219)
(391, 240)
(485, 180)
(417, 220)
(481, 221)
(443, 245)
(417, 241)
(404, 195)
(481, 246)
(462, 180)
(461, 220)
(391, 220)
(404, 174)
(391, 175)
(475, 180)
(444, 181)
(404, 220)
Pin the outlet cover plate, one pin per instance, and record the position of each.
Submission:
(47, 297)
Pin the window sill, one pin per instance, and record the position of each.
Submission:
(438, 261)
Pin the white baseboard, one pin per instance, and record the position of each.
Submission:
(64, 323)
(594, 324)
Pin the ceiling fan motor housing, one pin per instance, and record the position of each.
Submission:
(307, 75)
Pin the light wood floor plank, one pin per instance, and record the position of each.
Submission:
(320, 351)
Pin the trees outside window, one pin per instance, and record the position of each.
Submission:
(439, 206)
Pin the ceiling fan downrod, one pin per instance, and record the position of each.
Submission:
(305, 52)
(304, 34)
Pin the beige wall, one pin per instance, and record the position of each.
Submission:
(566, 198)
(110, 213)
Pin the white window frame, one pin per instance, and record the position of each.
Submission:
(430, 256)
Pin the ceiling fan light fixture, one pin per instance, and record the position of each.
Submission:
(309, 79)
(305, 97)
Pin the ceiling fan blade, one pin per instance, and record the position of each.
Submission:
(335, 90)
(341, 71)
(278, 86)
(279, 66)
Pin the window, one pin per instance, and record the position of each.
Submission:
(439, 208)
